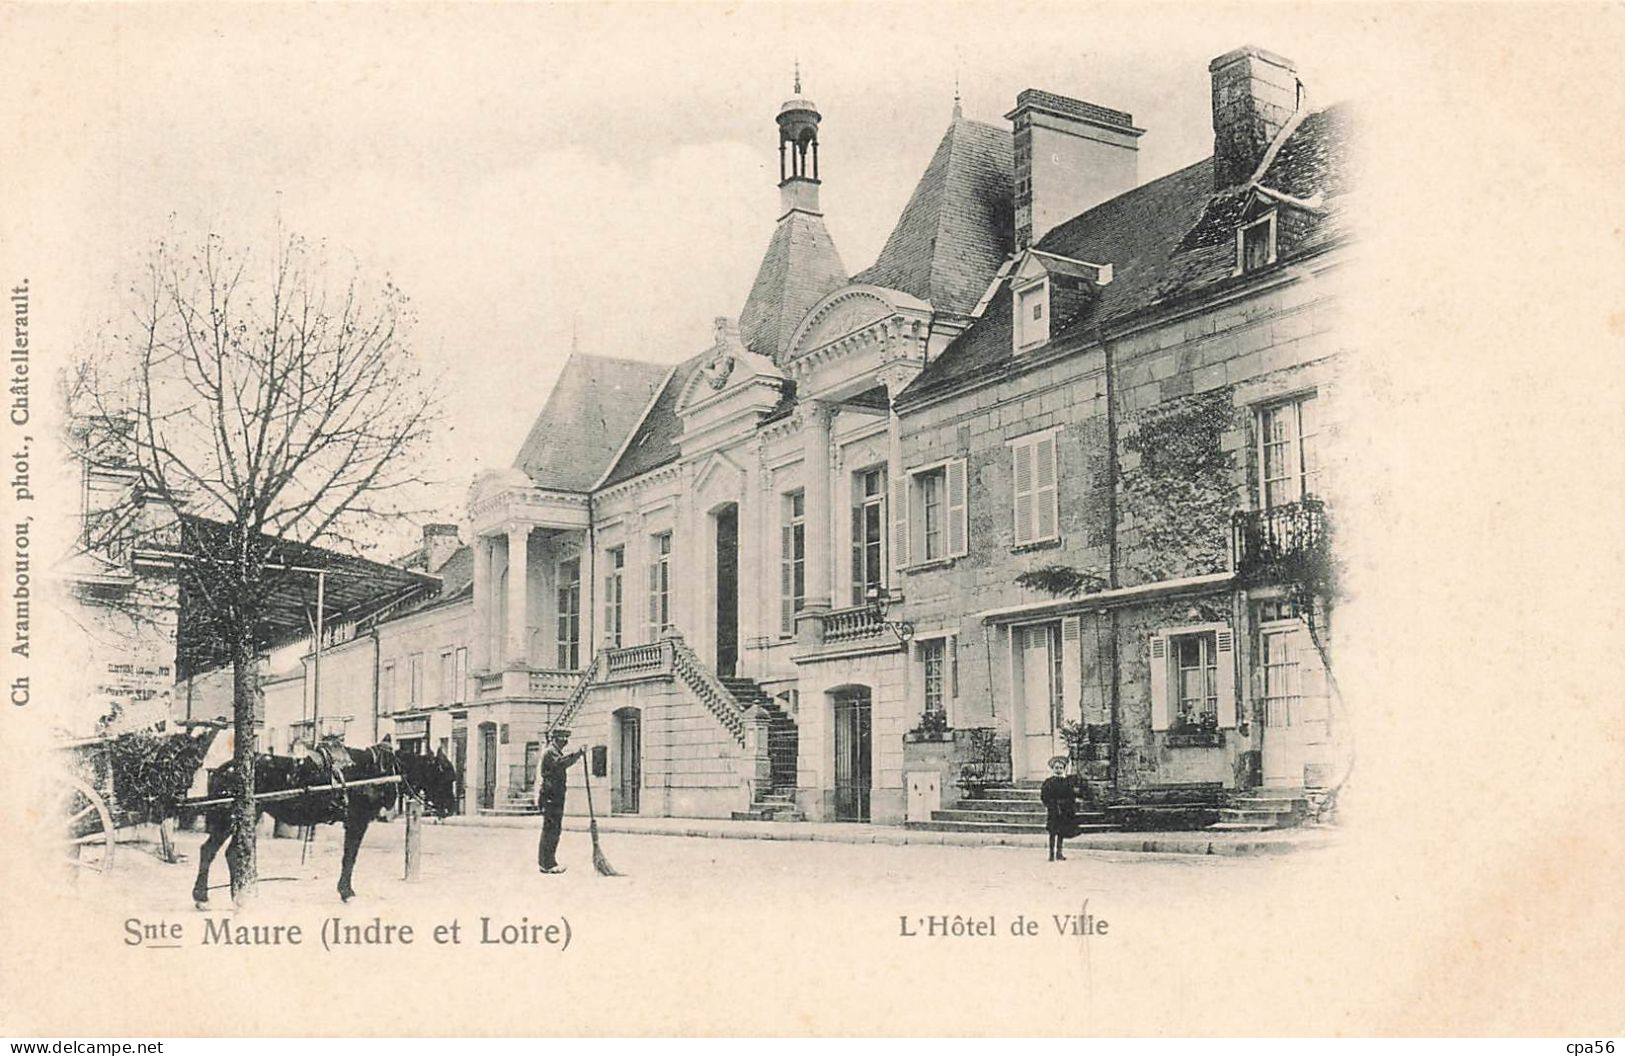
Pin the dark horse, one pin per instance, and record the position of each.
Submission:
(431, 779)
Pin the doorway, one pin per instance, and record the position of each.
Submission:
(1295, 711)
(853, 755)
(459, 760)
(488, 765)
(1038, 656)
(629, 760)
(727, 624)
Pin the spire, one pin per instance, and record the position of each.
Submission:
(958, 112)
(797, 89)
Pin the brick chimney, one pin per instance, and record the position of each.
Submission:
(1255, 93)
(440, 541)
(1069, 156)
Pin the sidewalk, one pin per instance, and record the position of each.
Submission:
(1278, 841)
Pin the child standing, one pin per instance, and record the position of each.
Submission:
(1061, 807)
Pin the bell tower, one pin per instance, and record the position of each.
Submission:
(798, 153)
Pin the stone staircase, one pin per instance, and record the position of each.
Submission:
(518, 803)
(1010, 808)
(1259, 809)
(778, 801)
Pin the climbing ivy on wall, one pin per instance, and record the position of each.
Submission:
(1179, 496)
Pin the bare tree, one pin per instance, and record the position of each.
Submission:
(283, 406)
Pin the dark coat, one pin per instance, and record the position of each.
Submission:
(555, 774)
(1060, 800)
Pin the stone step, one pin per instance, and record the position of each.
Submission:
(1014, 806)
(1024, 818)
(768, 815)
(1268, 803)
(1006, 792)
(1237, 826)
(1266, 818)
(994, 827)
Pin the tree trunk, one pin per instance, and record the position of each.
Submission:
(240, 855)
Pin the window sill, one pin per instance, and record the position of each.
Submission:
(1196, 740)
(1041, 544)
(927, 566)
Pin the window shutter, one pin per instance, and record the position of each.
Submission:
(958, 509)
(1159, 682)
(1072, 669)
(1023, 472)
(899, 521)
(654, 600)
(1225, 665)
(1044, 503)
(787, 578)
(953, 664)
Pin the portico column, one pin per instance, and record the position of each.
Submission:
(483, 650)
(518, 592)
(815, 483)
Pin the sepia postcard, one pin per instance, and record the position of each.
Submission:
(812, 519)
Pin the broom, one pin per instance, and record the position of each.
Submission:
(599, 862)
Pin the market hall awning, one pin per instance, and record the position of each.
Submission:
(349, 588)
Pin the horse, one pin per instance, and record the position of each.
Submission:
(431, 779)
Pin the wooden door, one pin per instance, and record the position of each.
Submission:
(727, 591)
(853, 755)
(488, 765)
(1040, 698)
(1283, 747)
(630, 762)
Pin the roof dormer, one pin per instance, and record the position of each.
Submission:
(1047, 291)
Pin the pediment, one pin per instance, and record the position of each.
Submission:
(728, 365)
(846, 311)
(719, 476)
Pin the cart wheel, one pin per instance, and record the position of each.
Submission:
(88, 837)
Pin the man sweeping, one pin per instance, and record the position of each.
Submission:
(556, 763)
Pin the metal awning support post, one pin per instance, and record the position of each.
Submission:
(316, 663)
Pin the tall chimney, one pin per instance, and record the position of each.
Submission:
(440, 541)
(1069, 156)
(1255, 93)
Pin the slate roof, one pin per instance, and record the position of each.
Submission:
(957, 227)
(595, 404)
(800, 266)
(654, 444)
(1166, 240)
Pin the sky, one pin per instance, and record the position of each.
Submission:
(539, 177)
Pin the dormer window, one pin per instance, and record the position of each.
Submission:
(1255, 244)
(1032, 315)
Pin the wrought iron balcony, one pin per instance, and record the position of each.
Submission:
(1286, 542)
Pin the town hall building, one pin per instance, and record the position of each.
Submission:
(1043, 479)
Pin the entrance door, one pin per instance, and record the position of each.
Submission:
(488, 765)
(1040, 696)
(727, 590)
(629, 726)
(852, 754)
(459, 762)
(1295, 735)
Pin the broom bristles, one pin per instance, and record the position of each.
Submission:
(599, 862)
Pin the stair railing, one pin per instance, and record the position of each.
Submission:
(703, 683)
(578, 696)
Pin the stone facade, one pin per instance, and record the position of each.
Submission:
(764, 569)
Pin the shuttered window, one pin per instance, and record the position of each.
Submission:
(1193, 676)
(1035, 473)
(792, 561)
(660, 586)
(935, 505)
